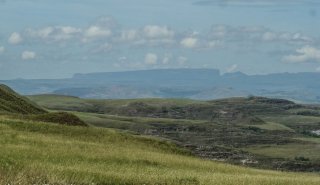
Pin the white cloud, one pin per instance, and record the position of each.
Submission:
(129, 35)
(15, 38)
(182, 60)
(56, 33)
(97, 32)
(28, 55)
(151, 59)
(232, 68)
(2, 49)
(304, 54)
(150, 35)
(69, 29)
(42, 33)
(256, 34)
(154, 31)
(189, 42)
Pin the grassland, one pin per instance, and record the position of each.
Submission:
(231, 130)
(35, 151)
(41, 153)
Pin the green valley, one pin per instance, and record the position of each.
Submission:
(235, 130)
(42, 149)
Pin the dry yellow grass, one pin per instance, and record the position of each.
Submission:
(41, 153)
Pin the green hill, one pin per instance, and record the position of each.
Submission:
(39, 153)
(11, 102)
(20, 107)
(263, 132)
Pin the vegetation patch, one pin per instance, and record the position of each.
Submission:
(63, 118)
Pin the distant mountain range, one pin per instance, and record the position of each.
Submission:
(200, 84)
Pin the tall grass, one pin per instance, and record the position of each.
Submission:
(41, 153)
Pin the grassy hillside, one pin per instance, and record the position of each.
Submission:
(11, 102)
(233, 130)
(20, 107)
(40, 153)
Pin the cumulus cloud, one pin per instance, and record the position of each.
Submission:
(28, 55)
(2, 49)
(304, 54)
(232, 68)
(100, 29)
(97, 32)
(189, 42)
(54, 33)
(155, 31)
(129, 35)
(15, 38)
(255, 34)
(151, 59)
(149, 35)
(105, 30)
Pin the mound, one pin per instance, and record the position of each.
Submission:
(62, 118)
(11, 102)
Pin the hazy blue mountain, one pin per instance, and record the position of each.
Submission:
(177, 83)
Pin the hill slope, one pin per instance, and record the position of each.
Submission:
(39, 153)
(21, 107)
(11, 102)
(232, 130)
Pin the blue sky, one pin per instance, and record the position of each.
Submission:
(57, 38)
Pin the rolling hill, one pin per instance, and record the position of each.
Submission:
(21, 107)
(40, 153)
(34, 151)
(233, 130)
(11, 102)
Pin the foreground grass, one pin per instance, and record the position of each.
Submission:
(39, 153)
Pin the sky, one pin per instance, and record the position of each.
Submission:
(58, 38)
